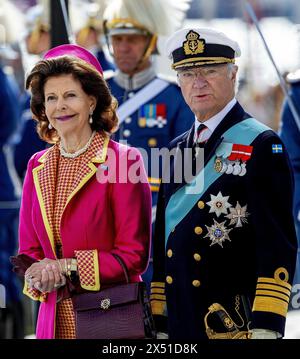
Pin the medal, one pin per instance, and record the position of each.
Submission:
(218, 204)
(224, 167)
(229, 169)
(237, 169)
(238, 215)
(218, 164)
(243, 169)
(218, 233)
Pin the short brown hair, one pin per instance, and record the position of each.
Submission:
(92, 83)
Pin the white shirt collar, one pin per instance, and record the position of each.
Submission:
(214, 121)
(136, 81)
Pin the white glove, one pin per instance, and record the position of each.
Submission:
(161, 335)
(264, 334)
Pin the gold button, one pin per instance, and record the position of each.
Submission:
(197, 257)
(201, 204)
(169, 279)
(198, 230)
(152, 142)
(169, 253)
(196, 283)
(173, 230)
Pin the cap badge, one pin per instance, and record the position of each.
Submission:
(194, 45)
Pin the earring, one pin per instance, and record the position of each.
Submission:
(91, 118)
(50, 126)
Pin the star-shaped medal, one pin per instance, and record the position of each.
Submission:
(218, 233)
(219, 204)
(238, 215)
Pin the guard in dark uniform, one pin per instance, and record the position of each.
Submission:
(225, 243)
(151, 107)
(290, 135)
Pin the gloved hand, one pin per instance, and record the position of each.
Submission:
(161, 335)
(264, 334)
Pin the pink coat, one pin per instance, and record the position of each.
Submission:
(111, 218)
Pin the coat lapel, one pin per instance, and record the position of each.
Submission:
(45, 177)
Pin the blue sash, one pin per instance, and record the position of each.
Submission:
(183, 200)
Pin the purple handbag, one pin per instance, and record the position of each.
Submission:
(122, 311)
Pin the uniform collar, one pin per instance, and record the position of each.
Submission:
(214, 121)
(137, 81)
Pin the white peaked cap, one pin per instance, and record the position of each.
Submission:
(161, 17)
(12, 22)
(200, 46)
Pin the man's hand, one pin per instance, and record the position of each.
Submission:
(161, 335)
(264, 334)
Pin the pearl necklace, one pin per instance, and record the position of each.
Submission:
(66, 154)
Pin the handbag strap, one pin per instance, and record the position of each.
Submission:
(123, 265)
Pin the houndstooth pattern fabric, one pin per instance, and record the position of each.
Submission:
(65, 320)
(86, 268)
(47, 179)
(59, 178)
(34, 293)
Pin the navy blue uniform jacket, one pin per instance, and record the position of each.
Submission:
(228, 264)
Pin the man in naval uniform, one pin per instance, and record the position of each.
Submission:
(225, 243)
(290, 135)
(152, 110)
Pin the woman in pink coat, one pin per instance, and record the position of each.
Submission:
(84, 199)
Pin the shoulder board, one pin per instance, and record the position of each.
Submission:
(293, 77)
(109, 74)
(168, 78)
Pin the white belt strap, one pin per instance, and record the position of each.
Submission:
(140, 98)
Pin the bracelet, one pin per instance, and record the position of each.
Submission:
(66, 266)
(72, 269)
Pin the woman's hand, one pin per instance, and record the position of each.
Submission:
(45, 275)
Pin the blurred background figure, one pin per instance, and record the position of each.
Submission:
(86, 22)
(37, 35)
(290, 134)
(37, 40)
(151, 107)
(11, 318)
(86, 25)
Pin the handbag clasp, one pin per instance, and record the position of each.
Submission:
(105, 303)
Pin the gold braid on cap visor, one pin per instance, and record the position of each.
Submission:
(125, 23)
(198, 61)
